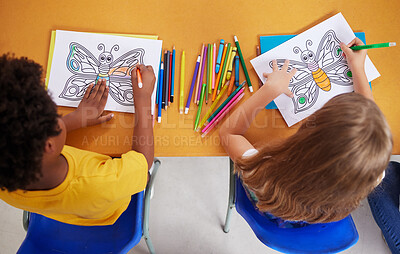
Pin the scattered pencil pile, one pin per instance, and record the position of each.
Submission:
(212, 78)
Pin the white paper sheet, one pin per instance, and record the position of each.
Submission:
(313, 50)
(80, 58)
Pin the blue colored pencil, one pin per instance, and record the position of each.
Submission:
(159, 93)
(220, 49)
(173, 75)
(165, 83)
(196, 69)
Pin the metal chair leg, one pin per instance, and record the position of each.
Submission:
(25, 220)
(146, 212)
(231, 201)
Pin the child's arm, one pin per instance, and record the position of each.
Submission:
(90, 108)
(233, 129)
(356, 61)
(143, 139)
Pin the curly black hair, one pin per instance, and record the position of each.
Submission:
(28, 117)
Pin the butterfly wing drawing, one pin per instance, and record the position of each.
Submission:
(302, 85)
(120, 72)
(331, 61)
(85, 67)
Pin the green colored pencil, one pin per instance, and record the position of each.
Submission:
(372, 46)
(203, 89)
(243, 64)
(224, 66)
(225, 102)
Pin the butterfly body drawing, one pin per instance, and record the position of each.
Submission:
(87, 69)
(317, 71)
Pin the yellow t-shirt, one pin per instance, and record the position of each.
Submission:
(96, 190)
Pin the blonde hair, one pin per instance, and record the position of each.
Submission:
(322, 172)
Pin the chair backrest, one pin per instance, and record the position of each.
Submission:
(45, 235)
(315, 238)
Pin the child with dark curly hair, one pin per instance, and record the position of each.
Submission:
(40, 174)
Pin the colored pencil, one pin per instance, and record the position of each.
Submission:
(169, 77)
(372, 46)
(258, 52)
(219, 58)
(173, 74)
(236, 70)
(230, 64)
(213, 105)
(196, 68)
(182, 83)
(203, 63)
(226, 66)
(208, 72)
(219, 74)
(210, 58)
(225, 102)
(198, 76)
(158, 80)
(231, 81)
(160, 98)
(165, 83)
(246, 74)
(223, 75)
(213, 65)
(139, 77)
(203, 89)
(226, 111)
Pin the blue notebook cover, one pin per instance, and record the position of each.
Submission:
(269, 42)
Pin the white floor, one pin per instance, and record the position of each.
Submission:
(188, 211)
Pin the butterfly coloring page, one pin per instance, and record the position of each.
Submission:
(322, 70)
(80, 59)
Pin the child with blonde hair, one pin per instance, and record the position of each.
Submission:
(322, 172)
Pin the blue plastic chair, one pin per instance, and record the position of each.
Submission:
(45, 235)
(316, 238)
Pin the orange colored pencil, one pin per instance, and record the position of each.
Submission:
(219, 73)
(231, 81)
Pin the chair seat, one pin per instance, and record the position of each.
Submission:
(315, 238)
(46, 235)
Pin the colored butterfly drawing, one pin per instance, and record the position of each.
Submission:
(87, 69)
(317, 71)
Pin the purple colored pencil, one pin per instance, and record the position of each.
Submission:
(192, 85)
(202, 71)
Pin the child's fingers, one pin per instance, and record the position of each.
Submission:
(150, 68)
(101, 90)
(285, 65)
(289, 93)
(105, 118)
(266, 75)
(103, 99)
(292, 72)
(88, 90)
(95, 89)
(274, 65)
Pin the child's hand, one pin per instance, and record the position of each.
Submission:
(355, 58)
(90, 109)
(278, 80)
(148, 80)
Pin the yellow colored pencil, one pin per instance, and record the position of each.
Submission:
(226, 68)
(204, 119)
(182, 87)
(230, 64)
